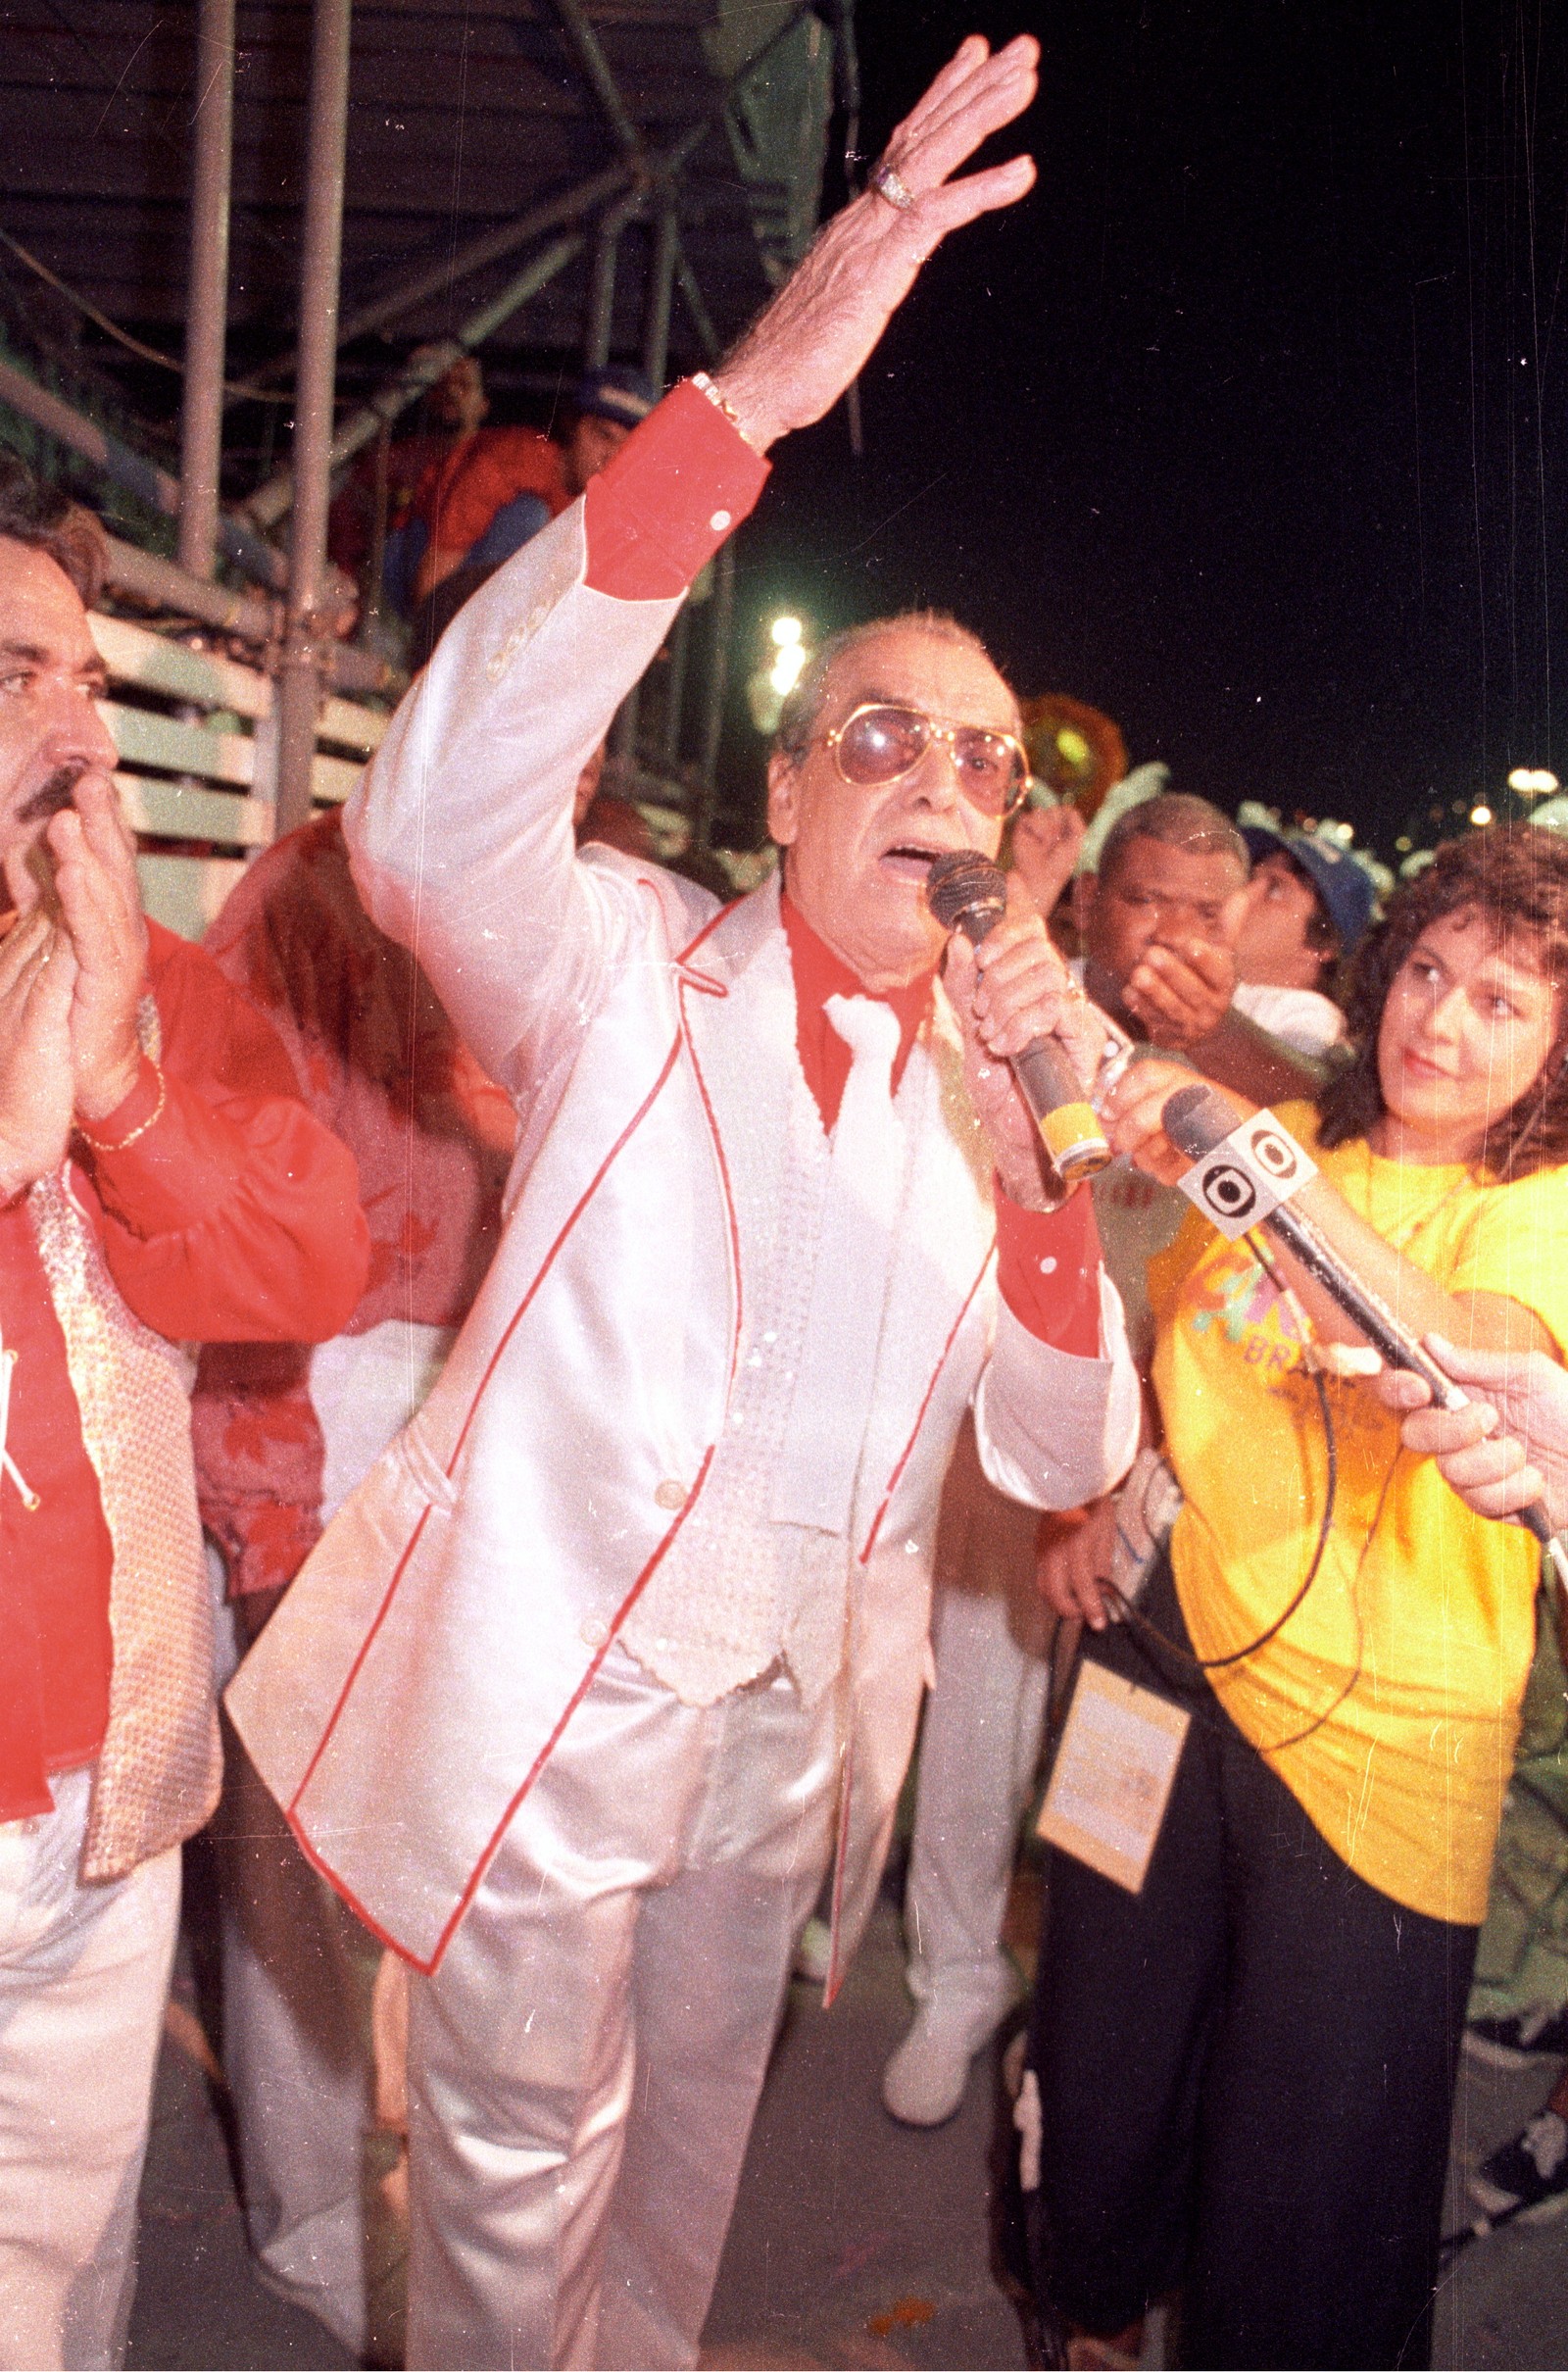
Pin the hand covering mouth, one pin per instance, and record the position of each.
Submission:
(52, 797)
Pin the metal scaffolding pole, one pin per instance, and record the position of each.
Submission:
(490, 247)
(252, 616)
(702, 318)
(602, 288)
(680, 637)
(130, 469)
(661, 289)
(299, 679)
(667, 263)
(596, 72)
(658, 170)
(201, 427)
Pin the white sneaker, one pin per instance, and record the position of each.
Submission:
(923, 2082)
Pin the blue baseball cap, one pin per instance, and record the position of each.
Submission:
(1345, 889)
(616, 393)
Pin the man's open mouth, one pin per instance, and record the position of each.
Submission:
(910, 860)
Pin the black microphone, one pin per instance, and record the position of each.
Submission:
(966, 892)
(1197, 1121)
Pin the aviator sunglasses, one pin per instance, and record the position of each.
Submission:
(878, 742)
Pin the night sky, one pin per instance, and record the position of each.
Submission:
(1251, 423)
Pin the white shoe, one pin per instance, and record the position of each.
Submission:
(923, 2082)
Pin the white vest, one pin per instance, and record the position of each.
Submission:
(762, 1571)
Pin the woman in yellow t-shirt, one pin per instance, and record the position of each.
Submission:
(1246, 2070)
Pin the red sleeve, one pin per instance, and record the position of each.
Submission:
(682, 482)
(235, 1216)
(1047, 1270)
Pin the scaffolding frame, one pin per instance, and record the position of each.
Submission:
(289, 617)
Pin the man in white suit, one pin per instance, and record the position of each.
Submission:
(626, 1634)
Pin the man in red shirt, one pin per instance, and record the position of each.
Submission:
(467, 498)
(495, 488)
(159, 1184)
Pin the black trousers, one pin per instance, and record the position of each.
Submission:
(1246, 2072)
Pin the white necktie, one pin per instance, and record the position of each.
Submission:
(832, 1396)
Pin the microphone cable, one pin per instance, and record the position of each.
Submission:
(1203, 1664)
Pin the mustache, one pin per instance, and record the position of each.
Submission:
(52, 797)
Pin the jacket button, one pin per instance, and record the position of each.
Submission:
(594, 1633)
(671, 1495)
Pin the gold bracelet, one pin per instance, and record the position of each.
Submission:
(720, 403)
(141, 1127)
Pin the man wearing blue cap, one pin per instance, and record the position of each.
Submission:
(497, 488)
(1308, 906)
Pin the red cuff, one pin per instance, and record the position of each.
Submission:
(1048, 1269)
(658, 512)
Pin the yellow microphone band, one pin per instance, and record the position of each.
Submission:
(1075, 1128)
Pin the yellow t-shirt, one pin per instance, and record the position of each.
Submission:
(1427, 1604)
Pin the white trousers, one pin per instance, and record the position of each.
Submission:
(83, 1981)
(297, 1965)
(584, 2064)
(979, 1745)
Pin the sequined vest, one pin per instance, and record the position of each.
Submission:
(159, 1768)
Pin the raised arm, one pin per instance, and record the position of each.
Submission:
(461, 835)
(462, 832)
(817, 333)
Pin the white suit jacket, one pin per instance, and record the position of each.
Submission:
(415, 1680)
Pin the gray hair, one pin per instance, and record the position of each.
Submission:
(803, 706)
(1176, 819)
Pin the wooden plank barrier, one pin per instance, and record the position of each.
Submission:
(197, 764)
(197, 772)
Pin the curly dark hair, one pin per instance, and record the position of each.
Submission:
(45, 520)
(1515, 878)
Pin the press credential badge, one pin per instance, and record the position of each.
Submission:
(1113, 1775)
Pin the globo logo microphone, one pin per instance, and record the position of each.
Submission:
(1226, 1192)
(1247, 1175)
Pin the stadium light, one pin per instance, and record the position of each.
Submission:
(785, 673)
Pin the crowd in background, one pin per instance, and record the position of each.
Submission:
(631, 1322)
